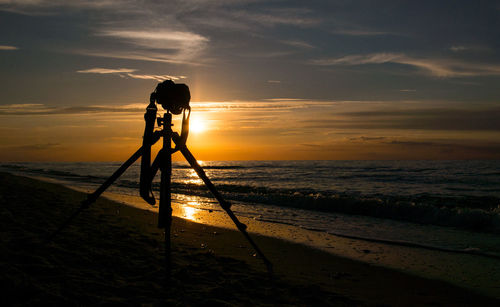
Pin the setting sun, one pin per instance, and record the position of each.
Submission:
(197, 125)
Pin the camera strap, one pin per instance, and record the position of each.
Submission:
(147, 141)
(185, 129)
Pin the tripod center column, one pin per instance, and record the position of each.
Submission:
(165, 210)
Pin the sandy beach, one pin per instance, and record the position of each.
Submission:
(113, 254)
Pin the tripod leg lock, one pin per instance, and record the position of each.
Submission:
(225, 205)
(242, 226)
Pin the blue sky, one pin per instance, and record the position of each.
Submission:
(388, 78)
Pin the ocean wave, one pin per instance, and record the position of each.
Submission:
(476, 213)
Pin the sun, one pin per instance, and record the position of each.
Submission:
(197, 125)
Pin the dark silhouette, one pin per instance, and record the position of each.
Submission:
(174, 98)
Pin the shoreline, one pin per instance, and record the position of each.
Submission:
(196, 247)
(476, 272)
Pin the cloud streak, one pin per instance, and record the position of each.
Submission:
(171, 46)
(438, 67)
(6, 47)
(432, 119)
(42, 109)
(127, 72)
(163, 39)
(352, 32)
(294, 17)
(106, 71)
(35, 147)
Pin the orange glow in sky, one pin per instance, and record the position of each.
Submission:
(260, 130)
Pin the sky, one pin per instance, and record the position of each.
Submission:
(269, 80)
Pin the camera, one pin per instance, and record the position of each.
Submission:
(172, 97)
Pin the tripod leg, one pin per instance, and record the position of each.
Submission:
(224, 204)
(93, 197)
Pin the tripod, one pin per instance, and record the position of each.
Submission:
(163, 162)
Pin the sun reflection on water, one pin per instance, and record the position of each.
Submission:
(192, 178)
(189, 213)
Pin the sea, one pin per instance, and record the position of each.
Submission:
(447, 207)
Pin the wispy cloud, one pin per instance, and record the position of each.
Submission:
(415, 118)
(470, 48)
(284, 16)
(298, 44)
(127, 72)
(358, 32)
(167, 40)
(176, 46)
(265, 106)
(42, 109)
(106, 71)
(35, 147)
(375, 58)
(274, 81)
(458, 48)
(6, 47)
(156, 77)
(267, 54)
(163, 39)
(439, 67)
(139, 55)
(44, 7)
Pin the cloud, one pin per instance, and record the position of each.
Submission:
(176, 46)
(106, 71)
(267, 54)
(156, 77)
(438, 67)
(462, 48)
(5, 47)
(35, 147)
(361, 32)
(368, 138)
(152, 31)
(458, 48)
(275, 17)
(166, 46)
(443, 119)
(163, 39)
(274, 81)
(45, 7)
(42, 109)
(175, 33)
(376, 58)
(127, 72)
(298, 44)
(138, 55)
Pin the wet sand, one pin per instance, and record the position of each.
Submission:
(113, 253)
